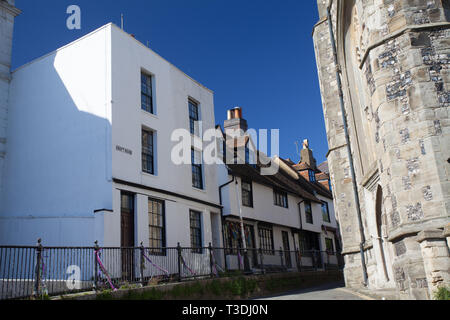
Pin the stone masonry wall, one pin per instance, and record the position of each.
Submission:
(404, 52)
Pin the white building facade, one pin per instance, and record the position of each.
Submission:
(89, 150)
(281, 213)
(7, 14)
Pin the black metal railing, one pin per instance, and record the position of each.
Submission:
(40, 271)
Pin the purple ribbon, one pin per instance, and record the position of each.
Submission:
(215, 266)
(102, 267)
(184, 263)
(157, 267)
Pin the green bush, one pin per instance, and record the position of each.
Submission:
(105, 295)
(215, 287)
(442, 294)
(150, 295)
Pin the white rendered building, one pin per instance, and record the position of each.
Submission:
(281, 212)
(89, 149)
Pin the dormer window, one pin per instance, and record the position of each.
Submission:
(312, 176)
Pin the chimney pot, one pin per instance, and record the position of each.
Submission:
(235, 120)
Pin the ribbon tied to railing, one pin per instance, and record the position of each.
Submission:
(103, 269)
(156, 266)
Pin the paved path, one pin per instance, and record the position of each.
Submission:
(335, 291)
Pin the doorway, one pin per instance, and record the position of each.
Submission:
(127, 212)
(250, 243)
(287, 249)
(380, 227)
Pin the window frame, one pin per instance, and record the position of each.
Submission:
(196, 237)
(197, 171)
(266, 243)
(150, 154)
(309, 213)
(329, 241)
(149, 93)
(280, 199)
(193, 120)
(162, 227)
(327, 213)
(312, 176)
(250, 193)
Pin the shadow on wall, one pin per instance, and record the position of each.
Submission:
(58, 165)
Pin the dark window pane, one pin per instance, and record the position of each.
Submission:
(156, 226)
(196, 231)
(281, 199)
(247, 194)
(325, 212)
(329, 244)
(193, 117)
(308, 212)
(146, 93)
(147, 152)
(197, 171)
(266, 240)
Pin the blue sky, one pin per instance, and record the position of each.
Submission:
(255, 54)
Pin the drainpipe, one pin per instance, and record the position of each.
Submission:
(244, 244)
(221, 215)
(347, 139)
(301, 221)
(300, 214)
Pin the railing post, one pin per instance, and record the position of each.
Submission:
(179, 261)
(261, 257)
(142, 265)
(37, 275)
(210, 260)
(96, 251)
(322, 258)
(297, 260)
(281, 257)
(328, 260)
(237, 256)
(315, 259)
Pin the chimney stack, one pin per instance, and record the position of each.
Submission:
(235, 121)
(307, 155)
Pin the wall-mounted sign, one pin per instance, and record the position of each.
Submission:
(124, 150)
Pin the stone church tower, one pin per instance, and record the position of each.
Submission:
(394, 63)
(7, 14)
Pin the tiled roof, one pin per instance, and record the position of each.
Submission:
(324, 167)
(322, 176)
(300, 166)
(310, 186)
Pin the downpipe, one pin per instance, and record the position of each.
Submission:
(347, 139)
(222, 217)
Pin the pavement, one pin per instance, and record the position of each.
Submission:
(333, 291)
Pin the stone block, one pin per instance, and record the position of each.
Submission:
(429, 235)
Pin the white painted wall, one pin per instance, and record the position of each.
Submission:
(7, 14)
(263, 206)
(173, 88)
(81, 101)
(58, 165)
